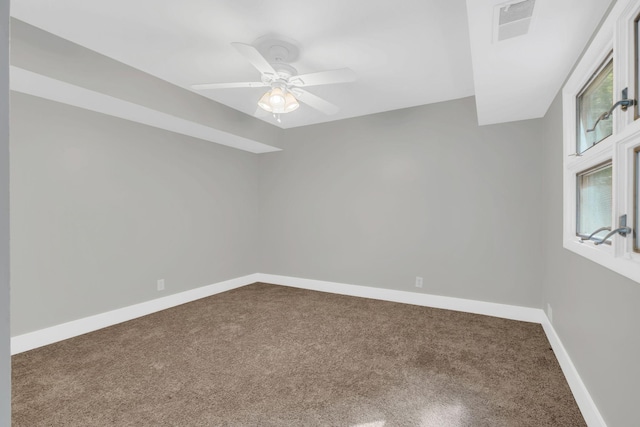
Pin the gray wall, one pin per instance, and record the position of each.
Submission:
(102, 208)
(425, 191)
(5, 360)
(595, 311)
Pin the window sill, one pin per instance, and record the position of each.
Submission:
(627, 265)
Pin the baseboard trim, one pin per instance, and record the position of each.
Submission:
(42, 337)
(513, 312)
(587, 406)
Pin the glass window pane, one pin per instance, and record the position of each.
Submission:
(594, 200)
(637, 63)
(595, 100)
(636, 244)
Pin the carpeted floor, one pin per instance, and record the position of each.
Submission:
(267, 355)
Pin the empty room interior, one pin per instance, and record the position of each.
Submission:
(350, 213)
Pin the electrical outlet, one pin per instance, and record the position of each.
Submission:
(549, 313)
(418, 282)
(161, 284)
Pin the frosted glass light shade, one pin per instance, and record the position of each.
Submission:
(291, 103)
(276, 98)
(264, 102)
(278, 101)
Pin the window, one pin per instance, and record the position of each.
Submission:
(636, 59)
(594, 200)
(636, 196)
(593, 104)
(601, 156)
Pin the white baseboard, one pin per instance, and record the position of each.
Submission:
(514, 312)
(581, 394)
(587, 406)
(74, 328)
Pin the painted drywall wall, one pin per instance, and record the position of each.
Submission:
(5, 346)
(425, 191)
(595, 311)
(102, 208)
(41, 52)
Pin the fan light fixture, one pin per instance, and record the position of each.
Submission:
(278, 101)
(286, 86)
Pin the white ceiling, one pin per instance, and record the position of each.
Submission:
(518, 78)
(405, 53)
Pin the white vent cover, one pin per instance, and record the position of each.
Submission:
(512, 19)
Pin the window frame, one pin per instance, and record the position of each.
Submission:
(618, 33)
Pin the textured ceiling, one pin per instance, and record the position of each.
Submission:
(405, 53)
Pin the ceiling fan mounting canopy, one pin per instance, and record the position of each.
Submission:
(278, 49)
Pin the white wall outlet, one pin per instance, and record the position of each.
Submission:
(418, 282)
(161, 284)
(549, 313)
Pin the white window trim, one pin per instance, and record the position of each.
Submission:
(616, 34)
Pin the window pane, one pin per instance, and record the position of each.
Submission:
(636, 244)
(595, 100)
(637, 63)
(594, 200)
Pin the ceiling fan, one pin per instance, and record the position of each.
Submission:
(284, 83)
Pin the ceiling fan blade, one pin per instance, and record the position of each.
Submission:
(343, 75)
(254, 57)
(204, 86)
(316, 102)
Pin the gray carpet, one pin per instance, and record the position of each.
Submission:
(267, 355)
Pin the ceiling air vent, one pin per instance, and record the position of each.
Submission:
(513, 19)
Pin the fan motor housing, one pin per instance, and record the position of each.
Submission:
(285, 71)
